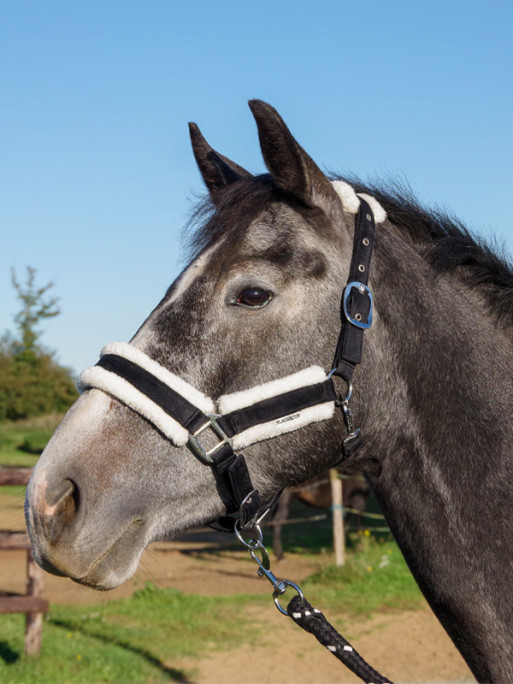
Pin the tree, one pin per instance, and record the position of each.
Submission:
(31, 381)
(35, 307)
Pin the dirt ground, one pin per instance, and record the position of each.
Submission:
(408, 646)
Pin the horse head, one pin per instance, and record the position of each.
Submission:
(259, 300)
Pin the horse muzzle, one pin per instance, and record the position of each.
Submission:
(65, 544)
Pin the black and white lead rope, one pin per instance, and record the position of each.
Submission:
(305, 615)
(313, 621)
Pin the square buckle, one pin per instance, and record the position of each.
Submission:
(200, 451)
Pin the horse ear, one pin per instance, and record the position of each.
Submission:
(291, 167)
(216, 169)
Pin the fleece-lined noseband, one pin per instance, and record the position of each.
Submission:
(185, 415)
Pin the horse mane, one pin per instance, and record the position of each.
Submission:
(441, 238)
(449, 246)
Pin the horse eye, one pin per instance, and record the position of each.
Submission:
(254, 297)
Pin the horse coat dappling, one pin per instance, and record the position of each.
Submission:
(260, 301)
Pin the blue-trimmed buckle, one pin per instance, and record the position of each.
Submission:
(363, 289)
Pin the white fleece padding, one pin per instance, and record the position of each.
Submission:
(288, 423)
(127, 351)
(351, 203)
(121, 389)
(347, 195)
(312, 414)
(380, 214)
(303, 378)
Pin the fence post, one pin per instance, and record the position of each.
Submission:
(33, 621)
(338, 517)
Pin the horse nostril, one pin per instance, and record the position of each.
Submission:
(61, 511)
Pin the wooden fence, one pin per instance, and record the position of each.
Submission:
(31, 603)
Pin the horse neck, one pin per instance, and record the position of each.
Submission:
(445, 479)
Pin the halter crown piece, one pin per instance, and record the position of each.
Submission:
(185, 415)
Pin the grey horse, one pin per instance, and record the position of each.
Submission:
(259, 300)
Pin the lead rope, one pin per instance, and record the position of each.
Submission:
(309, 618)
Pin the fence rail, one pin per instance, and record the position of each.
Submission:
(14, 476)
(14, 540)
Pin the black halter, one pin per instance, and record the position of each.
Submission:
(230, 467)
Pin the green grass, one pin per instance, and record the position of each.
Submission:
(139, 639)
(373, 577)
(132, 640)
(22, 441)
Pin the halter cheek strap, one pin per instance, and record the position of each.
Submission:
(356, 306)
(186, 416)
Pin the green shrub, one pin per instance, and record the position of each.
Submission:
(34, 443)
(33, 385)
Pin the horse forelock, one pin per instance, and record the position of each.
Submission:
(236, 206)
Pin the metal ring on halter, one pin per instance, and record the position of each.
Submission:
(252, 543)
(279, 592)
(349, 389)
(349, 392)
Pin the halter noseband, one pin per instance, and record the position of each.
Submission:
(184, 414)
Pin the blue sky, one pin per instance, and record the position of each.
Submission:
(96, 173)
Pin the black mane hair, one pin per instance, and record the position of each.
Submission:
(449, 246)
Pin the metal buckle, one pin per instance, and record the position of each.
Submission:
(363, 289)
(198, 449)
